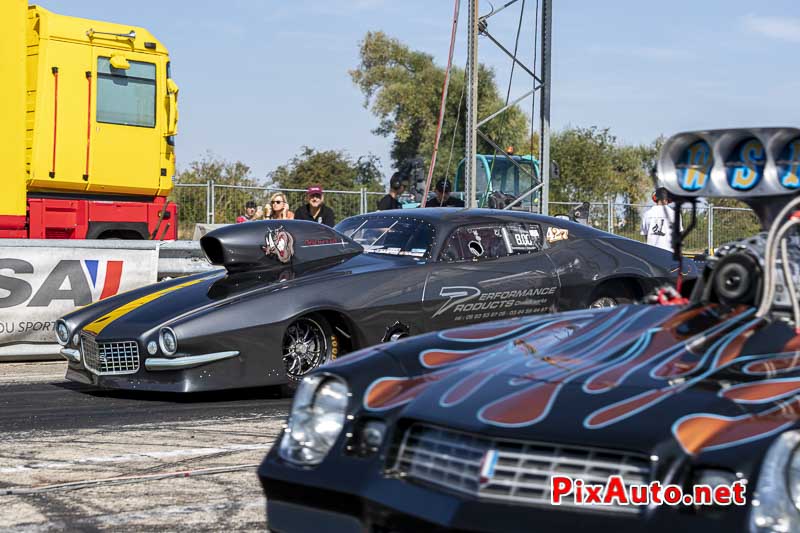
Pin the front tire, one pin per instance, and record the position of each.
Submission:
(308, 343)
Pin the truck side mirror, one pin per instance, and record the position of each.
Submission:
(172, 107)
(119, 62)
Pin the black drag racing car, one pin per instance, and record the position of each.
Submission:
(658, 418)
(295, 294)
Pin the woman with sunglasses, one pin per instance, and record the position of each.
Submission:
(278, 208)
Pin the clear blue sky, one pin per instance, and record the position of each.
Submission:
(260, 79)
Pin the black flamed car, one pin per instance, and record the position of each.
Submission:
(294, 294)
(504, 426)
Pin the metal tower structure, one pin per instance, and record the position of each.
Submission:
(478, 25)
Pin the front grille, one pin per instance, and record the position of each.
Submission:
(109, 358)
(522, 471)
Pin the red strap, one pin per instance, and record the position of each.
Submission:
(88, 124)
(55, 120)
(668, 296)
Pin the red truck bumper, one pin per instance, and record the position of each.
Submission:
(55, 218)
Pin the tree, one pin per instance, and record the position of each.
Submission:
(594, 167)
(403, 88)
(230, 193)
(332, 169)
(218, 170)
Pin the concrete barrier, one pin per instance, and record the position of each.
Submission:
(174, 259)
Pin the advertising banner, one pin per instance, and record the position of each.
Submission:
(38, 285)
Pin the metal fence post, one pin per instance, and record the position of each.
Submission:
(610, 216)
(213, 201)
(208, 203)
(710, 228)
(363, 200)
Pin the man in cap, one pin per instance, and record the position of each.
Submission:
(443, 198)
(396, 188)
(249, 212)
(315, 209)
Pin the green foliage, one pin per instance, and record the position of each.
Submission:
(733, 223)
(332, 169)
(593, 167)
(403, 88)
(220, 171)
(192, 201)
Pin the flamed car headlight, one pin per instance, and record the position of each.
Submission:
(776, 501)
(168, 341)
(62, 332)
(317, 419)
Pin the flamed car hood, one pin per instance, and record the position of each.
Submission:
(647, 376)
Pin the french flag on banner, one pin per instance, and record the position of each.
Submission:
(104, 277)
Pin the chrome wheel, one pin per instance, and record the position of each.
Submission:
(305, 347)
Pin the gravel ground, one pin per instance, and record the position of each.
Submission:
(83, 460)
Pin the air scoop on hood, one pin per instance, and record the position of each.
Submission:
(272, 243)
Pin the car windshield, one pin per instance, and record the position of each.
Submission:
(393, 235)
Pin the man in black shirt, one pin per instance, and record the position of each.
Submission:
(443, 198)
(315, 209)
(396, 188)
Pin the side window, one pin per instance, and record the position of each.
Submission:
(476, 243)
(523, 238)
(126, 97)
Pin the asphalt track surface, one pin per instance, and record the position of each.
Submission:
(81, 459)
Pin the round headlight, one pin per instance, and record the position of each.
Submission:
(317, 419)
(168, 341)
(152, 347)
(775, 501)
(62, 332)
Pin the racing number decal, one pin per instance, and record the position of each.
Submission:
(523, 239)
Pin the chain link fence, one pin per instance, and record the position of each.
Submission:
(714, 225)
(213, 203)
(220, 204)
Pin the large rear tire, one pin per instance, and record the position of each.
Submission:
(611, 294)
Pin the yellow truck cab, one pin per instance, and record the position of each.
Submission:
(92, 117)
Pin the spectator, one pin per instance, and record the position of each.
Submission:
(278, 208)
(315, 209)
(249, 213)
(581, 213)
(396, 188)
(658, 220)
(443, 198)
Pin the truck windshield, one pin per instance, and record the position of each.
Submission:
(389, 235)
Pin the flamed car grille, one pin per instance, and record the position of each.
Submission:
(109, 358)
(523, 470)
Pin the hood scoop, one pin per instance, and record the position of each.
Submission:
(276, 243)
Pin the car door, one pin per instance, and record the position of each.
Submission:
(490, 272)
(128, 120)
